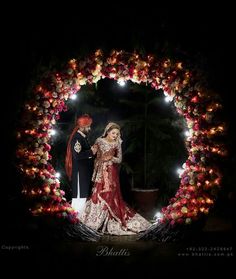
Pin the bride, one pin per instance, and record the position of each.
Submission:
(105, 210)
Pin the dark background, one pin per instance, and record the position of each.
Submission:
(41, 37)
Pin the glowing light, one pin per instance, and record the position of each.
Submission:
(217, 181)
(179, 65)
(188, 133)
(168, 99)
(121, 82)
(180, 171)
(209, 201)
(52, 132)
(58, 174)
(165, 93)
(73, 97)
(158, 216)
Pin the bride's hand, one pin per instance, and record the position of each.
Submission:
(107, 156)
(94, 149)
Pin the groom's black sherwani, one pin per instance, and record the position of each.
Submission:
(82, 166)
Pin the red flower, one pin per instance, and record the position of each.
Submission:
(201, 177)
(195, 99)
(196, 127)
(180, 220)
(183, 201)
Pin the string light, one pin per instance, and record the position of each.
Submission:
(188, 133)
(52, 132)
(158, 216)
(168, 99)
(58, 174)
(180, 171)
(121, 82)
(73, 97)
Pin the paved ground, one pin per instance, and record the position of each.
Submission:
(212, 249)
(22, 245)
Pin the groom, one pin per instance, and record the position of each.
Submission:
(79, 162)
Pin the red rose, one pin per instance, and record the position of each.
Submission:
(47, 147)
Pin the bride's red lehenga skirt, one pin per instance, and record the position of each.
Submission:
(106, 210)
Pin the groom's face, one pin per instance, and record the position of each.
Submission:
(86, 129)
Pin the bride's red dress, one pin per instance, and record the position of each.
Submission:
(105, 210)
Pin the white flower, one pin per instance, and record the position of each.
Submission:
(54, 95)
(112, 75)
(46, 104)
(43, 161)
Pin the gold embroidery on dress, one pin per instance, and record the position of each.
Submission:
(99, 166)
(99, 215)
(77, 147)
(95, 217)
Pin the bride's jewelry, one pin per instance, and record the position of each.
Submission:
(110, 140)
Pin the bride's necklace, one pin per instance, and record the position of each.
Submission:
(110, 141)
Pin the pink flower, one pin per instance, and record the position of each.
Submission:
(47, 147)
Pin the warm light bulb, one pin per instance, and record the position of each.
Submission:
(179, 65)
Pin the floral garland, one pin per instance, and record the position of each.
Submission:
(200, 179)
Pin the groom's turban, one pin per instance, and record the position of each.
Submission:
(84, 120)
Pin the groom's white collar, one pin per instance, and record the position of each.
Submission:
(82, 134)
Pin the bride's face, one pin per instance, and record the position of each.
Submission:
(113, 134)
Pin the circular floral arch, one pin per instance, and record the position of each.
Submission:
(201, 177)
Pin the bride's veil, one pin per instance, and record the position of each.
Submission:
(109, 125)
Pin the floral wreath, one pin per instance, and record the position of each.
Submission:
(200, 178)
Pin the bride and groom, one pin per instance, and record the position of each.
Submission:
(94, 175)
